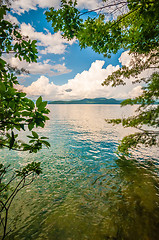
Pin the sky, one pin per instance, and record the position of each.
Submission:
(64, 71)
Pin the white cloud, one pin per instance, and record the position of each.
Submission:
(38, 68)
(125, 58)
(136, 91)
(45, 68)
(84, 85)
(41, 87)
(20, 6)
(89, 4)
(87, 84)
(11, 19)
(52, 43)
(48, 3)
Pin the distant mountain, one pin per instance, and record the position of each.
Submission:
(88, 101)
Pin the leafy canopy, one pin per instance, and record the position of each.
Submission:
(16, 110)
(137, 30)
(17, 113)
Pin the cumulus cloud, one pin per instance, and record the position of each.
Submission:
(125, 58)
(87, 84)
(44, 67)
(41, 87)
(20, 6)
(47, 42)
(89, 4)
(11, 19)
(52, 43)
(84, 85)
(136, 91)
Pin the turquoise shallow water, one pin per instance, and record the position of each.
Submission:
(85, 191)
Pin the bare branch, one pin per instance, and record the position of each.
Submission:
(106, 6)
(13, 177)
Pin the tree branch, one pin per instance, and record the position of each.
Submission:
(100, 8)
(124, 17)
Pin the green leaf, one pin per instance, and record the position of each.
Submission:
(42, 106)
(35, 135)
(22, 94)
(12, 140)
(44, 138)
(22, 126)
(38, 101)
(47, 144)
(31, 104)
(26, 113)
(30, 137)
(46, 118)
(2, 87)
(30, 126)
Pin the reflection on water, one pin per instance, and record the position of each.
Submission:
(85, 192)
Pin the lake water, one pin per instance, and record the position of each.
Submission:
(85, 191)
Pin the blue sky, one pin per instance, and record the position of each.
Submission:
(63, 70)
(76, 59)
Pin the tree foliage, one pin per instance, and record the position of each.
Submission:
(16, 110)
(136, 30)
(147, 114)
(17, 113)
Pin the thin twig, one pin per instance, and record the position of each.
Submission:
(100, 8)
(13, 177)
